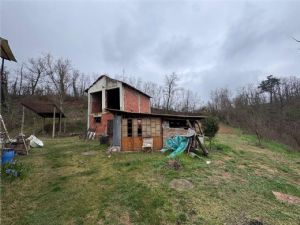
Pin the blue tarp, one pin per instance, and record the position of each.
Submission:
(177, 145)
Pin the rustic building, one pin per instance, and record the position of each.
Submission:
(123, 112)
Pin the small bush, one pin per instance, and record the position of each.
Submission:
(211, 127)
(11, 171)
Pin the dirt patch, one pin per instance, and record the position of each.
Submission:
(222, 160)
(89, 153)
(253, 222)
(224, 129)
(125, 219)
(226, 176)
(243, 219)
(286, 198)
(226, 158)
(241, 166)
(174, 164)
(181, 184)
(268, 169)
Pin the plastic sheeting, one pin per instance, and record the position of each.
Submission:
(177, 145)
(35, 142)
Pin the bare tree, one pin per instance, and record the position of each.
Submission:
(59, 72)
(170, 90)
(189, 101)
(36, 70)
(155, 91)
(14, 88)
(75, 76)
(220, 103)
(296, 39)
(4, 88)
(20, 73)
(84, 82)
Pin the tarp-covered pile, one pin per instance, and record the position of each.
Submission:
(177, 144)
(180, 143)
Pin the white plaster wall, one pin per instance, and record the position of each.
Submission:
(101, 85)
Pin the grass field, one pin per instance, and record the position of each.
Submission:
(63, 186)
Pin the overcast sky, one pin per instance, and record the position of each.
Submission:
(210, 44)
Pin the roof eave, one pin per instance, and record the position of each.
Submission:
(157, 115)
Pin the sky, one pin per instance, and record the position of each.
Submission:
(209, 44)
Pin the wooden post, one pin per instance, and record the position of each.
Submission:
(53, 130)
(1, 81)
(60, 120)
(65, 123)
(23, 118)
(34, 125)
(44, 132)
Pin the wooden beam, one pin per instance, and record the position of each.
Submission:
(53, 130)
(205, 152)
(189, 123)
(23, 119)
(44, 132)
(60, 120)
(34, 125)
(65, 124)
(1, 81)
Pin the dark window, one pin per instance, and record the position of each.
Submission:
(140, 132)
(178, 124)
(113, 98)
(96, 101)
(97, 119)
(129, 127)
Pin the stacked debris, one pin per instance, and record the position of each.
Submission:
(190, 142)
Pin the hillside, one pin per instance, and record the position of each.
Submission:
(74, 182)
(75, 110)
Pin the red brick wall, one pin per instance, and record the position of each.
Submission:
(131, 101)
(101, 128)
(169, 132)
(96, 99)
(145, 104)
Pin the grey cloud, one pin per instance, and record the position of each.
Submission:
(210, 44)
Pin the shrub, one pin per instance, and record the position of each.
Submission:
(14, 170)
(211, 127)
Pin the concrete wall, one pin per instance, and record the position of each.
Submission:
(102, 85)
(130, 100)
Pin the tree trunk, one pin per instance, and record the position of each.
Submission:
(53, 128)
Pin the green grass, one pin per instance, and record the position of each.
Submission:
(63, 186)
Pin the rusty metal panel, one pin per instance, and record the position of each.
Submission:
(127, 144)
(137, 143)
(157, 143)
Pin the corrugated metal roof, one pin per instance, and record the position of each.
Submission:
(42, 108)
(171, 116)
(5, 51)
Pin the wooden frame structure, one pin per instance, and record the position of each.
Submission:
(44, 110)
(134, 128)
